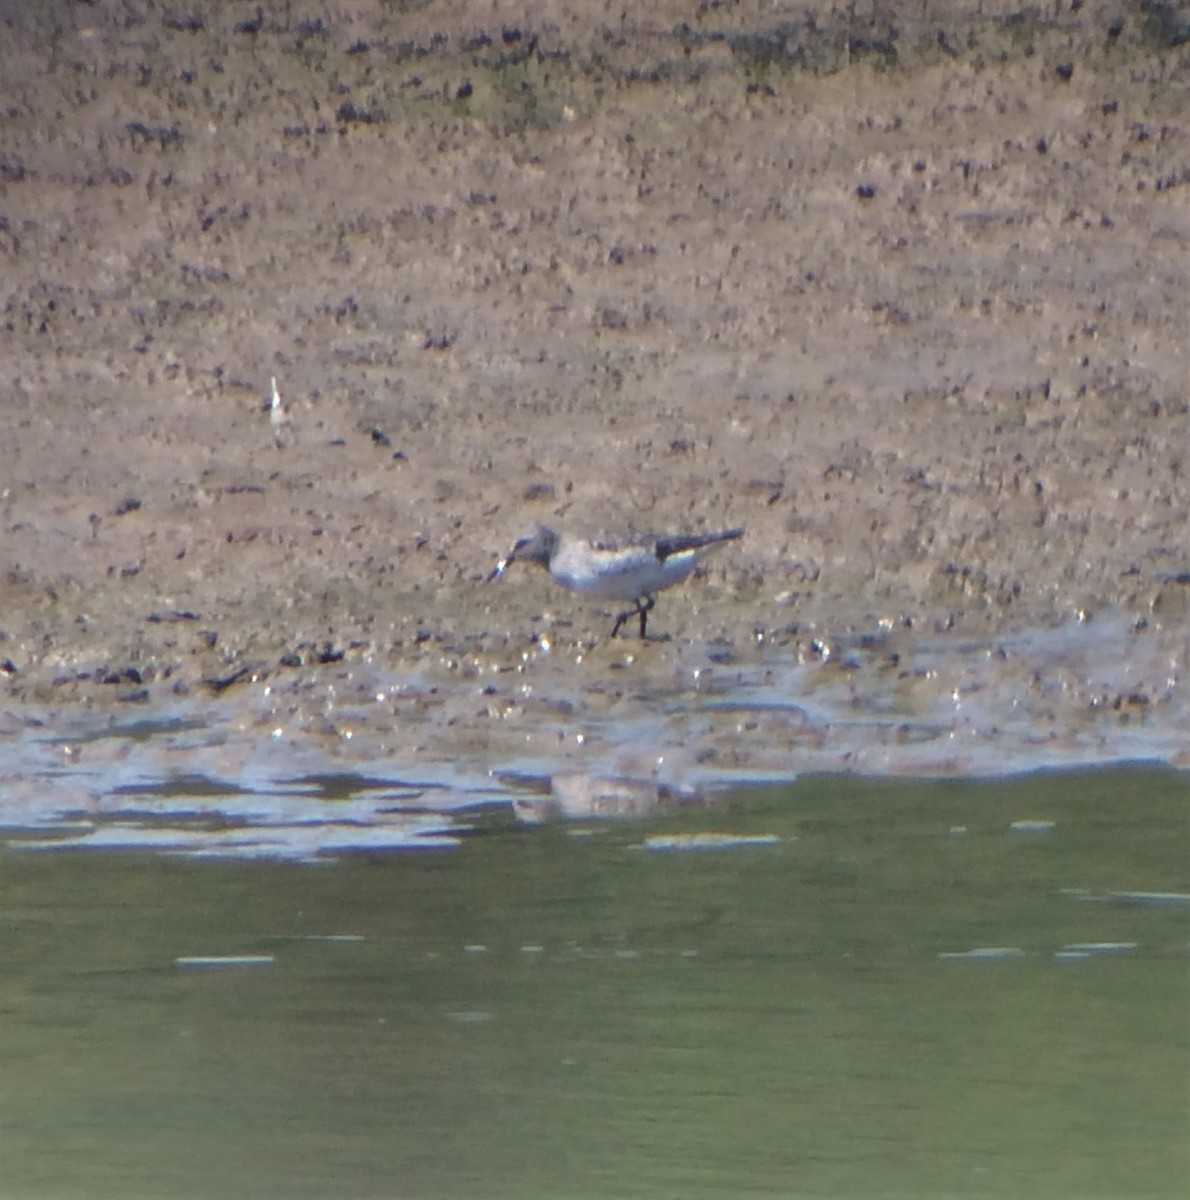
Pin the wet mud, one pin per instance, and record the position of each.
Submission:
(901, 293)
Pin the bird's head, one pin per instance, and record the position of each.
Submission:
(536, 548)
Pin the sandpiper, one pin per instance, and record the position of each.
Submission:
(631, 569)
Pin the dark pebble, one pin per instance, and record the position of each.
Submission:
(123, 675)
(224, 682)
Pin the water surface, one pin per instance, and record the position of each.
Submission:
(900, 988)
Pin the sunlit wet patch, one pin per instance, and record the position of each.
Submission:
(1034, 828)
(1078, 951)
(983, 954)
(470, 1016)
(686, 842)
(309, 842)
(1151, 899)
(1129, 899)
(223, 961)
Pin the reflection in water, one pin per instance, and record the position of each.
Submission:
(820, 989)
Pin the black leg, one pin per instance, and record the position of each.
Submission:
(643, 605)
(646, 605)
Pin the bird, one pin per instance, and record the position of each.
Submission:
(633, 568)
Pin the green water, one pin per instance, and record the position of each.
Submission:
(768, 1021)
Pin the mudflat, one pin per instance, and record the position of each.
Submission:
(900, 289)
